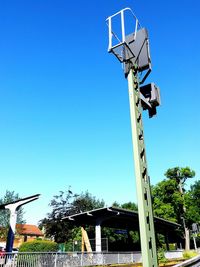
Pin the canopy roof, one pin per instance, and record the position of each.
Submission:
(114, 217)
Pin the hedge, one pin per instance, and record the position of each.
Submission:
(39, 246)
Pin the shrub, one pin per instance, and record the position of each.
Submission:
(39, 246)
(172, 246)
(161, 255)
(189, 254)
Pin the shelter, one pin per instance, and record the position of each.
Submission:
(118, 218)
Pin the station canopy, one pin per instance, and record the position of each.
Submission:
(119, 218)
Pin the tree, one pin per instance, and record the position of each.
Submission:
(10, 196)
(127, 205)
(180, 175)
(64, 204)
(170, 198)
(130, 206)
(129, 241)
(167, 202)
(85, 202)
(192, 200)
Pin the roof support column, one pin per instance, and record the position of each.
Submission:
(167, 241)
(98, 237)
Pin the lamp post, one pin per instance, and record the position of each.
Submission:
(13, 207)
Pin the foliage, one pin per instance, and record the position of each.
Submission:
(189, 254)
(39, 246)
(135, 237)
(9, 196)
(85, 202)
(65, 204)
(172, 246)
(192, 200)
(172, 202)
(168, 203)
(127, 205)
(190, 211)
(168, 200)
(161, 255)
(180, 174)
(125, 241)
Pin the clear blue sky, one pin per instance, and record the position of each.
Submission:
(64, 110)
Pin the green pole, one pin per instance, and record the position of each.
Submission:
(146, 222)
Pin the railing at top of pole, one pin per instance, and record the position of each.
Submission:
(123, 30)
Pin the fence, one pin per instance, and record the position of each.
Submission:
(76, 259)
(104, 244)
(66, 259)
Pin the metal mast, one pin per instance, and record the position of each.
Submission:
(133, 51)
(147, 234)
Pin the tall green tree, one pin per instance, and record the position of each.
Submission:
(180, 175)
(192, 200)
(9, 196)
(167, 202)
(85, 202)
(170, 198)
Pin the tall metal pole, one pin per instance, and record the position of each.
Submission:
(11, 231)
(146, 223)
(13, 207)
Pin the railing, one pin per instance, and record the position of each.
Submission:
(66, 259)
(194, 262)
(76, 259)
